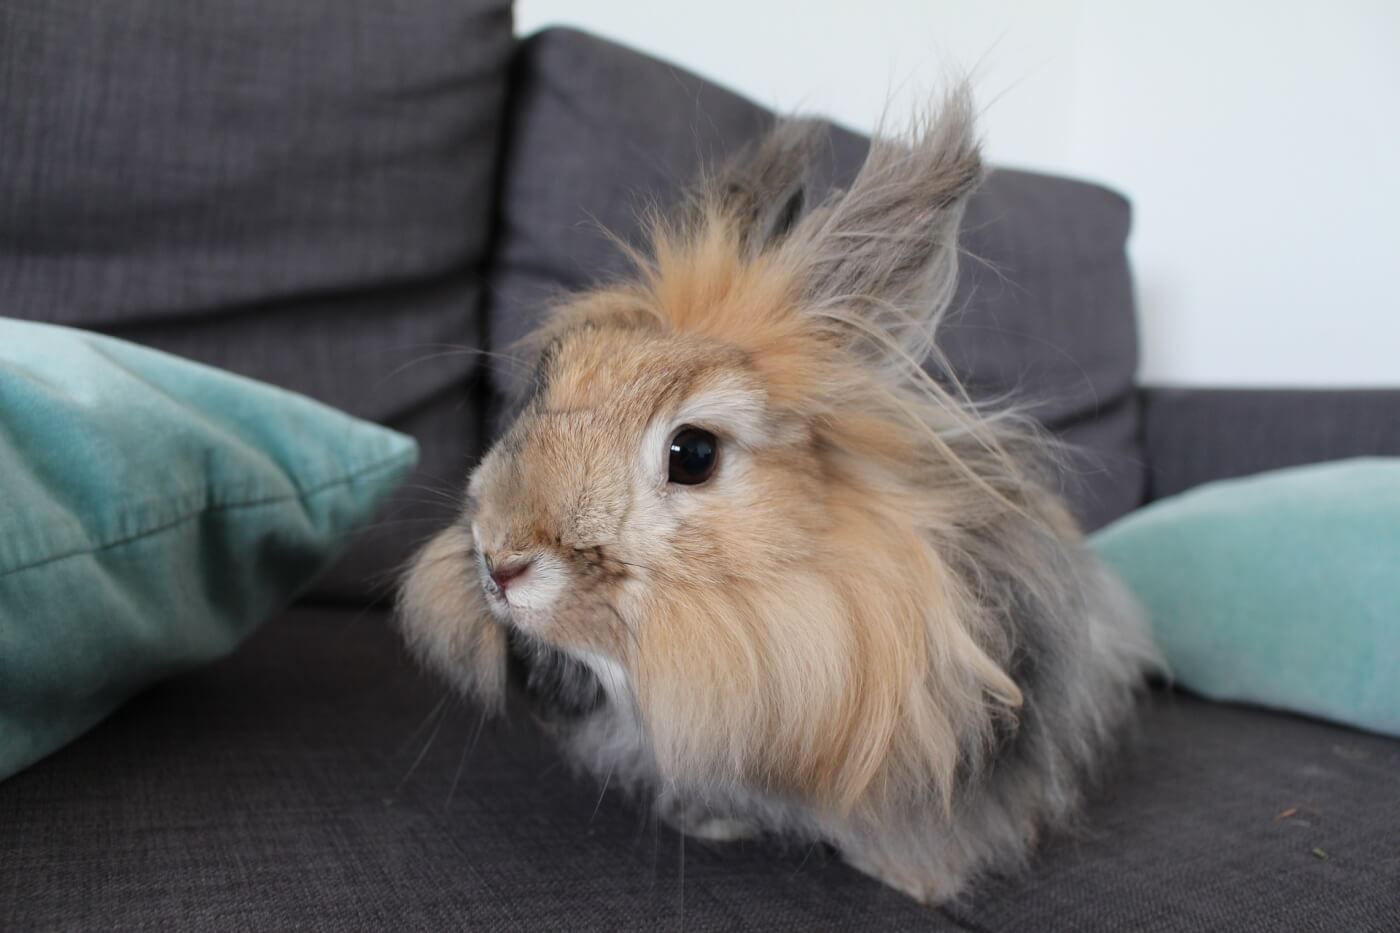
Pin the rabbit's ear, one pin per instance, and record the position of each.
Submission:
(883, 255)
(764, 190)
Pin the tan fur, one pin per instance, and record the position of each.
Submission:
(452, 631)
(803, 629)
(826, 548)
(844, 566)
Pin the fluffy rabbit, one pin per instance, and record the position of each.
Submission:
(753, 563)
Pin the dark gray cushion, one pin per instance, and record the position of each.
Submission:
(600, 133)
(298, 191)
(315, 780)
(1193, 436)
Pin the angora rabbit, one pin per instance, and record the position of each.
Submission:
(754, 564)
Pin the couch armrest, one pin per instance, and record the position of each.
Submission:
(1193, 436)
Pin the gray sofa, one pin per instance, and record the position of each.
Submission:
(353, 199)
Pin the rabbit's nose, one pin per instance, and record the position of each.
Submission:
(506, 572)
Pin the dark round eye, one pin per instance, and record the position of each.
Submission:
(694, 454)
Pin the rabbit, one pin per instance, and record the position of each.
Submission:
(750, 561)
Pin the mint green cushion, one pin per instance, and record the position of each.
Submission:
(152, 512)
(1281, 589)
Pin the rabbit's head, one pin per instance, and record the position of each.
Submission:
(724, 505)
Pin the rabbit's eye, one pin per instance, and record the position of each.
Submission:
(694, 454)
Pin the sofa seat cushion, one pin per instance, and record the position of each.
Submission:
(317, 780)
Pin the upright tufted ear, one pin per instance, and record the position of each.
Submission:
(882, 256)
(765, 188)
(878, 260)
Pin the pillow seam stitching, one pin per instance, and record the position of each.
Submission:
(301, 495)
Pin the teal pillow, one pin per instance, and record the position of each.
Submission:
(152, 512)
(1281, 589)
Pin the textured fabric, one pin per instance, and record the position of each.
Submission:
(1193, 436)
(152, 511)
(284, 788)
(315, 781)
(1225, 818)
(1044, 310)
(1281, 589)
(297, 191)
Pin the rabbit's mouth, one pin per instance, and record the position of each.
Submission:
(557, 687)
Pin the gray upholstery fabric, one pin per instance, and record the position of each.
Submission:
(1049, 321)
(312, 781)
(298, 191)
(599, 134)
(1193, 436)
(302, 192)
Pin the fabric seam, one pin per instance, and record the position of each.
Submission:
(299, 496)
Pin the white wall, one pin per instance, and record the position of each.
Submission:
(1259, 142)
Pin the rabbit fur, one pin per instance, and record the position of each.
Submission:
(874, 626)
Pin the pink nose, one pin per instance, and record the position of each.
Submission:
(505, 573)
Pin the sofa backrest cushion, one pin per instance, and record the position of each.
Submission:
(300, 192)
(1045, 316)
